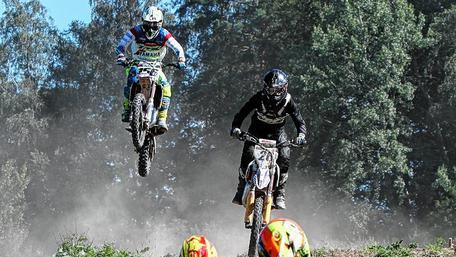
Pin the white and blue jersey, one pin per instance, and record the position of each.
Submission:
(145, 49)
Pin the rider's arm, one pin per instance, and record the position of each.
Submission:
(296, 116)
(125, 41)
(245, 110)
(172, 43)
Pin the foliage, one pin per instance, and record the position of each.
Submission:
(396, 249)
(433, 152)
(375, 81)
(27, 40)
(393, 250)
(13, 227)
(79, 246)
(319, 252)
(437, 246)
(355, 83)
(23, 126)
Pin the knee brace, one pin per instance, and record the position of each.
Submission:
(164, 103)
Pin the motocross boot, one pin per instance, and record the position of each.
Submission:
(162, 126)
(279, 201)
(237, 199)
(163, 113)
(279, 194)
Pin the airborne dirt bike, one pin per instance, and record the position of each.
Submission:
(261, 178)
(145, 101)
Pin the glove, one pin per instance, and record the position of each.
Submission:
(301, 139)
(181, 65)
(121, 60)
(235, 132)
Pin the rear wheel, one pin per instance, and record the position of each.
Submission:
(138, 130)
(146, 155)
(256, 225)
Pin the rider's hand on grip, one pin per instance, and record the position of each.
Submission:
(121, 60)
(301, 139)
(236, 132)
(181, 65)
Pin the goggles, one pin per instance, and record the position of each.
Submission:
(154, 25)
(275, 90)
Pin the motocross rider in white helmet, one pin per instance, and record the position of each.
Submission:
(148, 42)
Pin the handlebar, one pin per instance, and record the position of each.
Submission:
(246, 136)
(129, 62)
(126, 63)
(175, 65)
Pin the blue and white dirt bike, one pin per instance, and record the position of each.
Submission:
(145, 101)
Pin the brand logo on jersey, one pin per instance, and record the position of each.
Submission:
(148, 51)
(150, 54)
(271, 119)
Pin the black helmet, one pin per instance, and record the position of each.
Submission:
(275, 85)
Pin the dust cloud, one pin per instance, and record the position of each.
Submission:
(199, 202)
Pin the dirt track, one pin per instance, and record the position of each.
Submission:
(357, 253)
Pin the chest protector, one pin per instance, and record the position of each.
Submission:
(273, 114)
(146, 49)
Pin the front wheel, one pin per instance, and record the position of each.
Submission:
(146, 155)
(256, 225)
(138, 129)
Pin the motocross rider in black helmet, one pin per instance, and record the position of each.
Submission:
(271, 105)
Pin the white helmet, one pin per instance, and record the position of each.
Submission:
(152, 21)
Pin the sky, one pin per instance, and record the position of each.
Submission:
(63, 12)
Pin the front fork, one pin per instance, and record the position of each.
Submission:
(150, 115)
(150, 112)
(249, 205)
(267, 206)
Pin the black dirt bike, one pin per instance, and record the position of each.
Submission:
(145, 101)
(262, 177)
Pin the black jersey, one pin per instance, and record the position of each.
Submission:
(269, 117)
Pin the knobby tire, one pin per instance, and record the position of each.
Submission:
(146, 155)
(138, 133)
(256, 225)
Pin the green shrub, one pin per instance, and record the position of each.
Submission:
(437, 246)
(80, 246)
(393, 250)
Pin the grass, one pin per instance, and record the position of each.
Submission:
(397, 249)
(80, 246)
(393, 250)
(437, 246)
